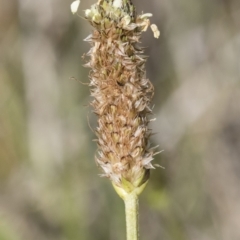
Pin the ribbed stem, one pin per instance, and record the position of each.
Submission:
(131, 210)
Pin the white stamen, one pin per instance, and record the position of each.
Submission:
(156, 32)
(146, 15)
(152, 120)
(74, 6)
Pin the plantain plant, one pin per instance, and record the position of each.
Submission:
(121, 99)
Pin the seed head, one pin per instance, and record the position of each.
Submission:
(121, 92)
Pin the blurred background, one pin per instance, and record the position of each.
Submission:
(49, 184)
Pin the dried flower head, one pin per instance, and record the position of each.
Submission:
(121, 92)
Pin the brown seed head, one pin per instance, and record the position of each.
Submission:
(121, 92)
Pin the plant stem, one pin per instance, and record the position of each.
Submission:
(131, 210)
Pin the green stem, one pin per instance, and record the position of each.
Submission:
(131, 210)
